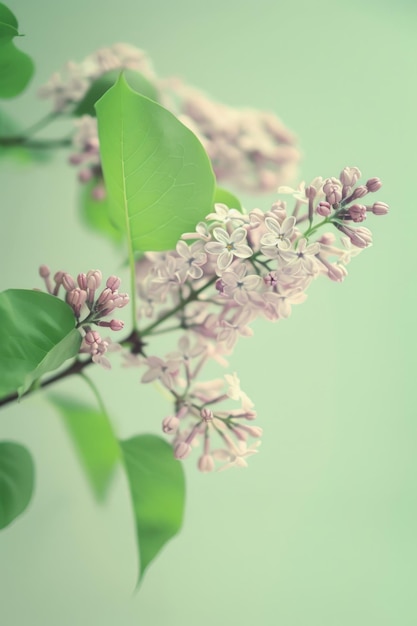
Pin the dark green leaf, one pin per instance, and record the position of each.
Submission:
(37, 334)
(157, 487)
(8, 24)
(16, 481)
(99, 87)
(94, 440)
(224, 196)
(16, 67)
(95, 213)
(158, 176)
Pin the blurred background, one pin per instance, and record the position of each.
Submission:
(320, 529)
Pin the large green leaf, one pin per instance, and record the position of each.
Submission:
(95, 213)
(37, 334)
(94, 440)
(137, 81)
(16, 481)
(157, 488)
(158, 176)
(16, 67)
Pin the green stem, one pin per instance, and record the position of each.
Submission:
(193, 296)
(95, 392)
(36, 144)
(42, 123)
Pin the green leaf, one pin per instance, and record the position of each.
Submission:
(94, 440)
(16, 481)
(157, 487)
(37, 334)
(224, 196)
(8, 24)
(16, 67)
(95, 213)
(158, 176)
(99, 87)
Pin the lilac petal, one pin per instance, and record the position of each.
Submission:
(243, 251)
(225, 259)
(238, 235)
(221, 235)
(214, 247)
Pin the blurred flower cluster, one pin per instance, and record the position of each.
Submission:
(249, 149)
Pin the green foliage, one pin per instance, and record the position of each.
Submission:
(94, 440)
(157, 488)
(158, 176)
(226, 197)
(37, 334)
(16, 481)
(95, 213)
(99, 87)
(16, 67)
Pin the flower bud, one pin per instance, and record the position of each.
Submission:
(327, 239)
(182, 450)
(206, 463)
(336, 273)
(113, 283)
(380, 208)
(360, 237)
(333, 190)
(359, 192)
(373, 184)
(68, 282)
(349, 176)
(170, 424)
(82, 281)
(44, 271)
(357, 212)
(324, 209)
(116, 324)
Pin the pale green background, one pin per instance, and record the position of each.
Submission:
(320, 530)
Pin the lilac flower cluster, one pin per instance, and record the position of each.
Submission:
(238, 267)
(90, 307)
(249, 149)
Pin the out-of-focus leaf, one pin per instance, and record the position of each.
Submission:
(16, 481)
(99, 87)
(224, 196)
(37, 334)
(95, 213)
(94, 440)
(158, 176)
(157, 487)
(16, 67)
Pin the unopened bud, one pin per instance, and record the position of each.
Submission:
(82, 281)
(373, 184)
(324, 209)
(116, 325)
(206, 463)
(359, 192)
(332, 189)
(380, 208)
(336, 273)
(327, 239)
(113, 283)
(170, 424)
(182, 450)
(68, 282)
(357, 212)
(85, 175)
(206, 414)
(349, 176)
(44, 271)
(360, 237)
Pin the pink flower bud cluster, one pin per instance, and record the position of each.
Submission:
(204, 416)
(90, 306)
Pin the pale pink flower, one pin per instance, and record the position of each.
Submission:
(238, 286)
(165, 371)
(228, 246)
(190, 261)
(302, 259)
(279, 236)
(235, 456)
